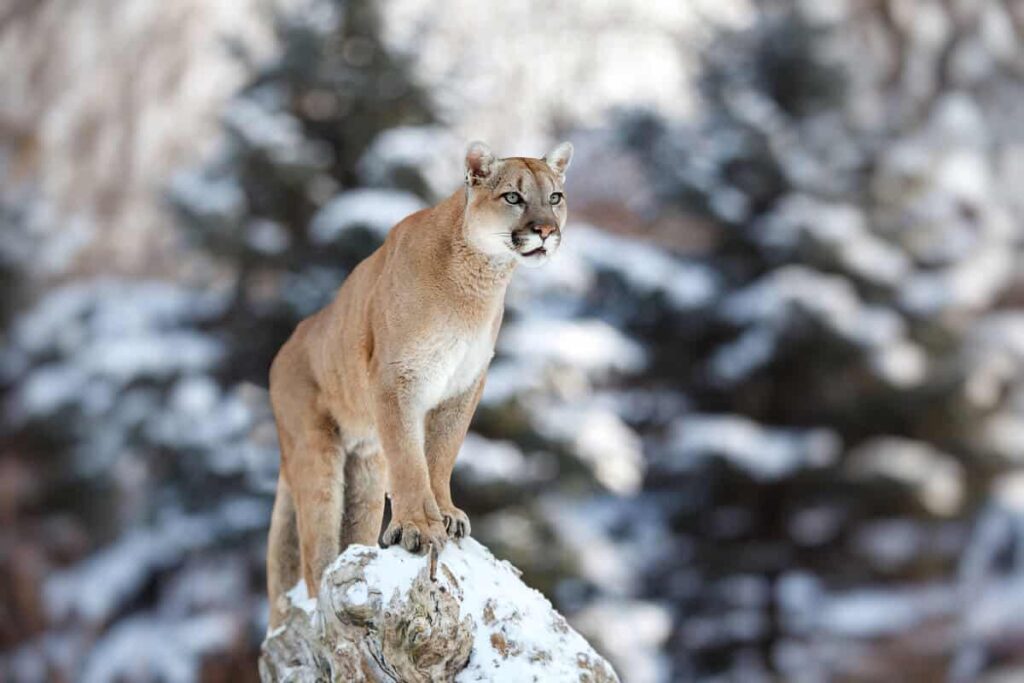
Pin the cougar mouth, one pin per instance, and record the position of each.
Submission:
(536, 252)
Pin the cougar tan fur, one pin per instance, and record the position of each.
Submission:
(374, 393)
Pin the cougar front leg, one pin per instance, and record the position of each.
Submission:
(447, 425)
(415, 519)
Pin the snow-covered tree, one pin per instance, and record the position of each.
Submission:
(137, 442)
(854, 388)
(284, 204)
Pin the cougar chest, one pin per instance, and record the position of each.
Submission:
(452, 362)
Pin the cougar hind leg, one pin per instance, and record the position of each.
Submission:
(319, 493)
(282, 554)
(312, 467)
(364, 495)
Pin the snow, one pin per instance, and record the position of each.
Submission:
(211, 200)
(633, 633)
(96, 588)
(599, 438)
(1008, 493)
(150, 647)
(517, 635)
(829, 299)
(780, 300)
(937, 478)
(94, 339)
(371, 209)
(299, 596)
(807, 608)
(644, 267)
(737, 360)
(764, 453)
(613, 540)
(485, 461)
(971, 284)
(592, 346)
(268, 237)
(433, 153)
(874, 613)
(901, 364)
(620, 53)
(200, 416)
(537, 351)
(840, 230)
(274, 133)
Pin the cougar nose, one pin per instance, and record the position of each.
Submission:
(544, 229)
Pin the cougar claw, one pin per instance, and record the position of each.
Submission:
(456, 523)
(414, 536)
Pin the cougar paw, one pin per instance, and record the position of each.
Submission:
(414, 535)
(456, 523)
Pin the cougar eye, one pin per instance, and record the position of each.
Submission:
(555, 198)
(512, 198)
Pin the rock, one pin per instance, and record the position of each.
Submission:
(382, 616)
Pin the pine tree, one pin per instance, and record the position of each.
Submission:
(856, 370)
(295, 136)
(131, 403)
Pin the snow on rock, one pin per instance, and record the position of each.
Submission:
(381, 616)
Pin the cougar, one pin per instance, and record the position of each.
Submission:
(373, 394)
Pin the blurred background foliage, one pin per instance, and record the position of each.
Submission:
(762, 419)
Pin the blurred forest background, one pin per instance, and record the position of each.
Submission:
(762, 419)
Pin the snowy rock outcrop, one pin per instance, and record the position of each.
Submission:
(387, 615)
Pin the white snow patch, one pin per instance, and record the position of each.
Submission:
(299, 597)
(156, 648)
(765, 453)
(593, 346)
(598, 437)
(372, 209)
(936, 478)
(633, 633)
(486, 461)
(523, 618)
(644, 266)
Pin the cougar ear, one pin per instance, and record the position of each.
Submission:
(479, 162)
(558, 158)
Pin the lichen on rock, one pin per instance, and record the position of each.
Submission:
(384, 615)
